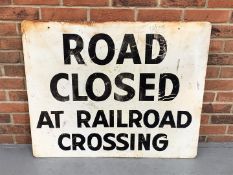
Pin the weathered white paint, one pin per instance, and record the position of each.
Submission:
(187, 52)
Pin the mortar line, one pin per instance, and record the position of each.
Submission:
(61, 3)
(135, 14)
(206, 3)
(159, 2)
(40, 13)
(182, 15)
(88, 14)
(120, 7)
(110, 3)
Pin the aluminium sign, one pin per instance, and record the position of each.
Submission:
(115, 89)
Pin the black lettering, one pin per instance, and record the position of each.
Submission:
(76, 96)
(155, 115)
(53, 87)
(76, 51)
(122, 141)
(144, 141)
(162, 86)
(109, 141)
(129, 40)
(135, 120)
(99, 142)
(100, 119)
(132, 141)
(119, 83)
(45, 120)
(120, 123)
(145, 86)
(163, 142)
(57, 117)
(81, 120)
(162, 52)
(60, 144)
(77, 143)
(107, 89)
(92, 49)
(168, 119)
(188, 121)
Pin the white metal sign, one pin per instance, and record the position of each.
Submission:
(115, 89)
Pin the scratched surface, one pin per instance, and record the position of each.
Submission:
(187, 52)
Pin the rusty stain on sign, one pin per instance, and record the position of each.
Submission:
(115, 89)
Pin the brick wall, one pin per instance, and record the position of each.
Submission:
(217, 117)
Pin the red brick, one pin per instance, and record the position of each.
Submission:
(159, 15)
(222, 119)
(216, 16)
(86, 2)
(102, 15)
(226, 72)
(36, 2)
(5, 118)
(230, 130)
(5, 2)
(216, 45)
(182, 3)
(12, 83)
(204, 130)
(220, 59)
(10, 43)
(204, 119)
(13, 107)
(18, 95)
(64, 14)
(7, 29)
(216, 108)
(208, 96)
(226, 85)
(19, 29)
(21, 118)
(222, 31)
(5, 139)
(27, 129)
(212, 72)
(229, 46)
(2, 96)
(220, 139)
(220, 3)
(18, 13)
(23, 139)
(12, 129)
(9, 57)
(134, 3)
(225, 96)
(14, 70)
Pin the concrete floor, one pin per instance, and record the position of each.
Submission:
(212, 159)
